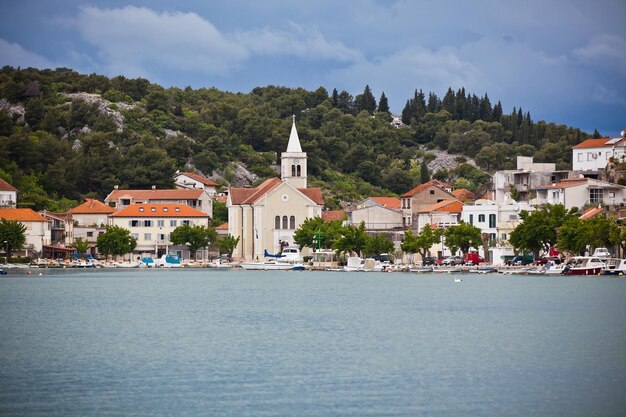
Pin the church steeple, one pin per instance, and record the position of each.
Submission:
(293, 161)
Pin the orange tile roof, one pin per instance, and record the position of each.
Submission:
(314, 194)
(591, 212)
(240, 196)
(5, 186)
(200, 178)
(463, 195)
(156, 194)
(221, 198)
(21, 214)
(387, 202)
(92, 206)
(450, 206)
(333, 215)
(159, 210)
(564, 184)
(223, 226)
(424, 186)
(595, 143)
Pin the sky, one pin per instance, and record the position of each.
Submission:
(564, 61)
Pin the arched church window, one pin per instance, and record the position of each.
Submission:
(285, 224)
(277, 222)
(298, 171)
(292, 221)
(293, 170)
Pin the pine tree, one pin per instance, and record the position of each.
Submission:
(497, 112)
(383, 103)
(448, 102)
(433, 103)
(420, 104)
(335, 97)
(485, 109)
(365, 101)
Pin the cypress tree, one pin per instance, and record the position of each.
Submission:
(448, 102)
(335, 97)
(433, 103)
(497, 112)
(383, 103)
(424, 174)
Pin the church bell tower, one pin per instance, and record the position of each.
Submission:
(293, 161)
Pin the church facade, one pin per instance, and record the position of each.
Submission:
(267, 216)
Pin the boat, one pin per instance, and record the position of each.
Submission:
(372, 265)
(171, 260)
(217, 263)
(126, 264)
(423, 269)
(584, 265)
(550, 268)
(354, 264)
(614, 266)
(270, 265)
(483, 270)
(3, 272)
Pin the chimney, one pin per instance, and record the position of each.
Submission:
(115, 187)
(154, 187)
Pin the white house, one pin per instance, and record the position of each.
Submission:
(594, 154)
(8, 194)
(579, 192)
(89, 220)
(153, 224)
(37, 229)
(191, 180)
(268, 215)
(378, 213)
(198, 199)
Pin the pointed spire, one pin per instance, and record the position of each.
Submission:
(294, 140)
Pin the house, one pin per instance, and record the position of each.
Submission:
(464, 195)
(521, 182)
(37, 229)
(61, 228)
(442, 214)
(422, 196)
(333, 215)
(497, 221)
(198, 199)
(8, 194)
(593, 155)
(152, 224)
(378, 214)
(579, 192)
(265, 216)
(191, 180)
(89, 220)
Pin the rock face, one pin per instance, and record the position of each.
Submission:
(13, 109)
(239, 177)
(103, 107)
(445, 160)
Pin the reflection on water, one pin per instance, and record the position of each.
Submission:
(237, 343)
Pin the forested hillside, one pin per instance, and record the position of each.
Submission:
(64, 136)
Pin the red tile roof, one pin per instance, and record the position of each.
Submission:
(464, 195)
(591, 212)
(450, 206)
(595, 143)
(223, 226)
(5, 186)
(387, 202)
(424, 186)
(92, 206)
(564, 184)
(146, 195)
(332, 215)
(21, 214)
(240, 196)
(200, 178)
(159, 210)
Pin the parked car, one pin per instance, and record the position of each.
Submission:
(429, 260)
(521, 260)
(453, 260)
(473, 258)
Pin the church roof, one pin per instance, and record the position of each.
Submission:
(240, 196)
(294, 141)
(314, 194)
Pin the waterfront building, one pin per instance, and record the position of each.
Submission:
(37, 229)
(381, 215)
(579, 192)
(198, 199)
(153, 224)
(89, 221)
(592, 155)
(191, 180)
(422, 196)
(267, 216)
(8, 194)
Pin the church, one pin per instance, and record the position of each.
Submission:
(267, 216)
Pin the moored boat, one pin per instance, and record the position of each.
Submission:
(614, 266)
(271, 265)
(584, 265)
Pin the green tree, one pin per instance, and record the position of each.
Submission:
(220, 213)
(12, 236)
(352, 239)
(81, 245)
(463, 236)
(315, 228)
(576, 235)
(378, 244)
(194, 237)
(383, 103)
(365, 101)
(116, 240)
(538, 229)
(227, 244)
(424, 174)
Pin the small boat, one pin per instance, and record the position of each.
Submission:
(271, 265)
(171, 260)
(354, 264)
(614, 266)
(423, 269)
(217, 263)
(483, 270)
(3, 272)
(126, 264)
(584, 265)
(550, 268)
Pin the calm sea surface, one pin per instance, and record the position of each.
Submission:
(237, 343)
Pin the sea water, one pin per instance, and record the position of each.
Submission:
(251, 343)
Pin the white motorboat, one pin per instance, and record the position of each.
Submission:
(217, 263)
(270, 265)
(354, 264)
(584, 265)
(614, 266)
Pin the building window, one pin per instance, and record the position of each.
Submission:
(147, 236)
(160, 223)
(292, 222)
(134, 235)
(277, 222)
(481, 218)
(89, 234)
(492, 220)
(147, 223)
(503, 236)
(285, 222)
(298, 171)
(186, 222)
(611, 194)
(471, 219)
(293, 170)
(172, 223)
(432, 192)
(596, 195)
(126, 202)
(133, 223)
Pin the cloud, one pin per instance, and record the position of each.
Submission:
(132, 40)
(604, 50)
(13, 54)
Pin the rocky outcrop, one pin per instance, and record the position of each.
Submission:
(104, 107)
(444, 160)
(13, 109)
